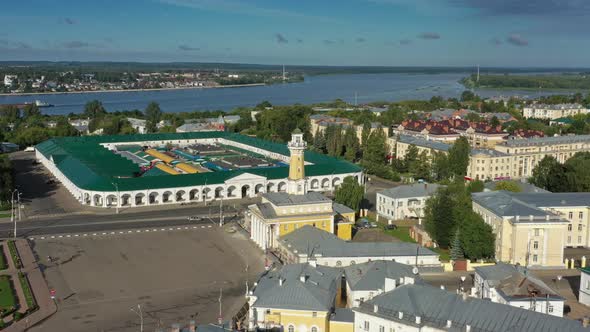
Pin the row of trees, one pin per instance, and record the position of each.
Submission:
(6, 181)
(571, 176)
(451, 222)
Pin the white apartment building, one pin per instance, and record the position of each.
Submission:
(404, 202)
(584, 296)
(514, 285)
(417, 308)
(552, 112)
(138, 124)
(9, 79)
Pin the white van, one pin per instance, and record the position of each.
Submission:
(30, 149)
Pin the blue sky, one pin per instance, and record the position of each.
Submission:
(312, 32)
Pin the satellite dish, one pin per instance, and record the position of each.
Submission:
(415, 270)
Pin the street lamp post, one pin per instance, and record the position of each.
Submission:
(12, 211)
(139, 313)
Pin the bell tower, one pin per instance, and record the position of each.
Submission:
(297, 148)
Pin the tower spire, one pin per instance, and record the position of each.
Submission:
(297, 148)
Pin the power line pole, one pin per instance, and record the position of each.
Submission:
(221, 212)
(220, 318)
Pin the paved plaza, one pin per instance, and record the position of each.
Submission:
(174, 275)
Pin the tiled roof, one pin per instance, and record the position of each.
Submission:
(436, 307)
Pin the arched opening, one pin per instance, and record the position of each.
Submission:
(111, 200)
(231, 191)
(326, 183)
(282, 187)
(219, 192)
(193, 195)
(206, 193)
(86, 198)
(258, 189)
(336, 182)
(166, 197)
(140, 199)
(97, 200)
(315, 184)
(245, 191)
(180, 195)
(270, 187)
(126, 200)
(153, 199)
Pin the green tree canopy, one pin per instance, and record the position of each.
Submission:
(153, 115)
(31, 110)
(350, 193)
(439, 221)
(508, 186)
(549, 174)
(351, 144)
(94, 109)
(459, 157)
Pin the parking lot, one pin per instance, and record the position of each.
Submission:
(173, 275)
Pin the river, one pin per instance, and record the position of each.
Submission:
(315, 89)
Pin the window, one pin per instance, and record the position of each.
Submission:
(286, 227)
(535, 258)
(537, 231)
(366, 325)
(581, 215)
(291, 328)
(550, 308)
(381, 328)
(314, 314)
(579, 227)
(579, 239)
(569, 227)
(571, 215)
(587, 284)
(314, 329)
(338, 263)
(352, 262)
(569, 239)
(268, 311)
(536, 245)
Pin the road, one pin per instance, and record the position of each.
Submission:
(90, 223)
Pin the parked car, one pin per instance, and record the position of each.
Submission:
(194, 218)
(391, 227)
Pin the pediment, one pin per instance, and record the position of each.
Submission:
(245, 178)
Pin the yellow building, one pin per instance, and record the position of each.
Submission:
(279, 213)
(525, 234)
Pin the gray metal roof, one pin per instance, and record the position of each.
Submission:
(412, 190)
(516, 282)
(418, 141)
(436, 306)
(341, 208)
(345, 315)
(542, 141)
(505, 204)
(548, 199)
(316, 292)
(524, 187)
(371, 275)
(309, 239)
(488, 152)
(285, 199)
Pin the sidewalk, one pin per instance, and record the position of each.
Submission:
(47, 306)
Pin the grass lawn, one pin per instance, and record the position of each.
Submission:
(3, 264)
(445, 254)
(401, 232)
(4, 215)
(7, 298)
(14, 254)
(24, 282)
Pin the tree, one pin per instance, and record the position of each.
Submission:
(411, 158)
(94, 109)
(477, 237)
(494, 122)
(440, 166)
(475, 186)
(456, 247)
(153, 115)
(365, 135)
(31, 110)
(508, 186)
(549, 174)
(334, 140)
(459, 157)
(422, 168)
(64, 128)
(350, 193)
(264, 104)
(439, 221)
(351, 144)
(319, 141)
(10, 113)
(374, 155)
(577, 172)
(467, 96)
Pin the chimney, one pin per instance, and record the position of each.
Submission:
(400, 315)
(467, 328)
(449, 324)
(375, 308)
(313, 263)
(442, 287)
(418, 320)
(192, 326)
(281, 281)
(585, 322)
(465, 296)
(302, 278)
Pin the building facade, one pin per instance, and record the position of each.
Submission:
(525, 234)
(584, 295)
(404, 202)
(551, 112)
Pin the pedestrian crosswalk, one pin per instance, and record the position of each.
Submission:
(121, 232)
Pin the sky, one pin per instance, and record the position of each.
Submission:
(504, 33)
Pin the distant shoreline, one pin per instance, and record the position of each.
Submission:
(133, 90)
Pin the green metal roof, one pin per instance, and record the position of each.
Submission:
(90, 166)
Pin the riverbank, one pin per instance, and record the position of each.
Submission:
(134, 90)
